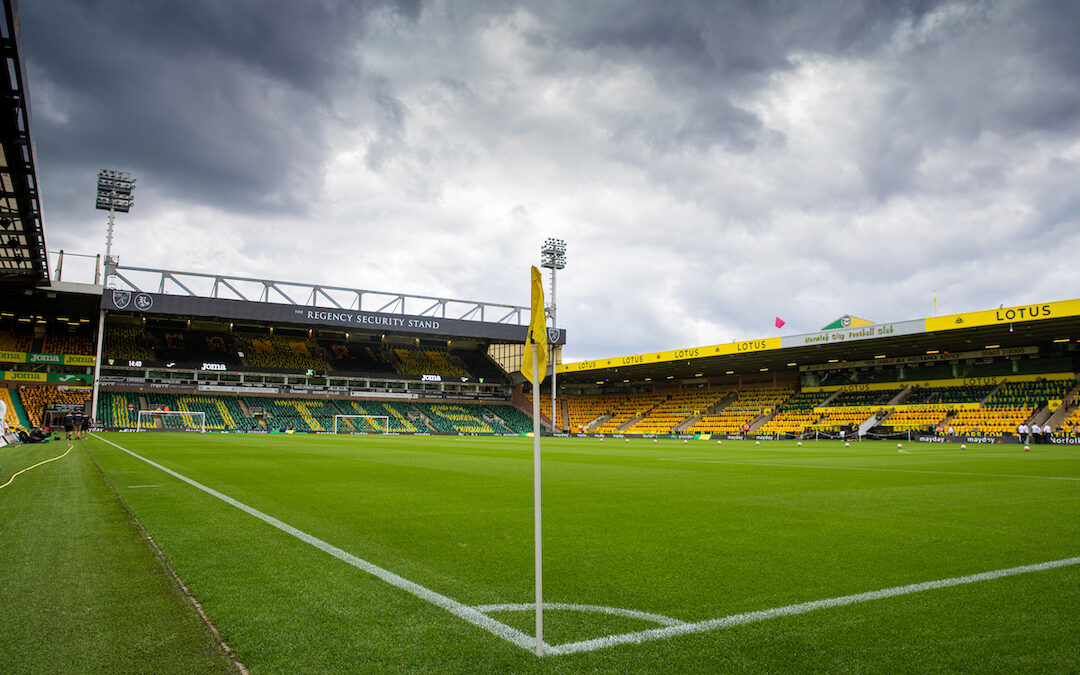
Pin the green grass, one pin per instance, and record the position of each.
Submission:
(693, 531)
(80, 589)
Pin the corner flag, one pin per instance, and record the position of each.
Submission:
(533, 366)
(537, 332)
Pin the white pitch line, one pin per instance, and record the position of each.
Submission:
(801, 608)
(862, 468)
(517, 638)
(596, 609)
(463, 611)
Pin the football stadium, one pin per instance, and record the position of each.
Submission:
(281, 476)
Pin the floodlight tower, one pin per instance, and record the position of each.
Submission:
(114, 193)
(553, 257)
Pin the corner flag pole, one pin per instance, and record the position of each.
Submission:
(536, 504)
(534, 363)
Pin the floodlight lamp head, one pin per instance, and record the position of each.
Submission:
(114, 191)
(553, 254)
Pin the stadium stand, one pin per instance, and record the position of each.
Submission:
(676, 409)
(281, 352)
(67, 343)
(511, 418)
(11, 417)
(1011, 404)
(865, 398)
(397, 412)
(460, 417)
(413, 361)
(195, 347)
(126, 342)
(479, 365)
(298, 414)
(990, 421)
(1071, 423)
(1029, 394)
(750, 404)
(841, 420)
(954, 394)
(924, 418)
(358, 359)
(35, 400)
(119, 409)
(16, 339)
(222, 413)
(626, 407)
(582, 409)
(796, 414)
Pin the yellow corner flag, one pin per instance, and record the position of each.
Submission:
(537, 332)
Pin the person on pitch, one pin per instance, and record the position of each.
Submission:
(69, 424)
(77, 420)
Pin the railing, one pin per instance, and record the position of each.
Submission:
(250, 289)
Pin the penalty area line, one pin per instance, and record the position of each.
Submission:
(801, 608)
(458, 609)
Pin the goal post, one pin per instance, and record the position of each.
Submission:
(363, 424)
(171, 420)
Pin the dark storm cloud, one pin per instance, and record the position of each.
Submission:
(222, 103)
(707, 53)
(711, 164)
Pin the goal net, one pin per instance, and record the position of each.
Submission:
(172, 420)
(361, 424)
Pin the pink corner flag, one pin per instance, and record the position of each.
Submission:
(779, 322)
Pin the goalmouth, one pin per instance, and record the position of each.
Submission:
(171, 420)
(361, 424)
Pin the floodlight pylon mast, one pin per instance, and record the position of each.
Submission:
(553, 257)
(114, 193)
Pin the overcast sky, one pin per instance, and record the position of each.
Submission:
(710, 165)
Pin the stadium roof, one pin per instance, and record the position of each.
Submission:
(23, 259)
(266, 301)
(986, 330)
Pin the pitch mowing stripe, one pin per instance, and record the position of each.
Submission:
(801, 608)
(863, 468)
(475, 617)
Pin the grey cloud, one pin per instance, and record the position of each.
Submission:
(226, 103)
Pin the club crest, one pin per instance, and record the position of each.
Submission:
(553, 334)
(121, 299)
(143, 301)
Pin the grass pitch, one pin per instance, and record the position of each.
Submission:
(676, 532)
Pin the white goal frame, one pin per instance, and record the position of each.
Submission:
(384, 418)
(150, 413)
